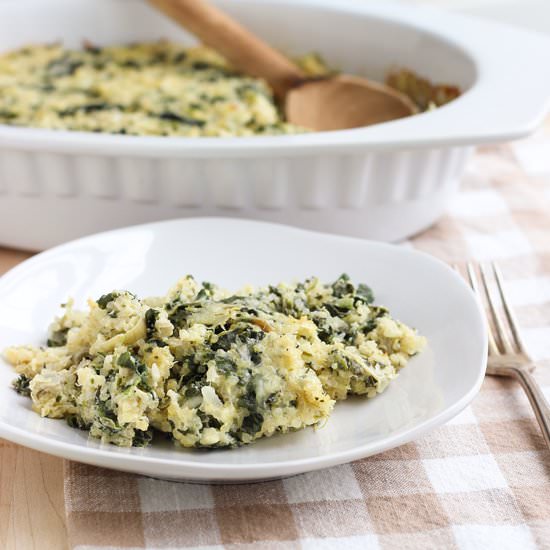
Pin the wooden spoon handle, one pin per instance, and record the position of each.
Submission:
(245, 51)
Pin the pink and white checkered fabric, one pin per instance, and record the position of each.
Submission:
(480, 482)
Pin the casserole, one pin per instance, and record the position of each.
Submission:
(384, 182)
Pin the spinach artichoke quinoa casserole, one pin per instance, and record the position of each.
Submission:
(156, 89)
(209, 368)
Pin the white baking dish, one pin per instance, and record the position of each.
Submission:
(384, 182)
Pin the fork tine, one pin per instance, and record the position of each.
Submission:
(472, 277)
(507, 346)
(507, 309)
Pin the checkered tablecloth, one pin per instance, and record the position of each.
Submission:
(482, 481)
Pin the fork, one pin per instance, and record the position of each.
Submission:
(507, 356)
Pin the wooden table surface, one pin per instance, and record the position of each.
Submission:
(32, 512)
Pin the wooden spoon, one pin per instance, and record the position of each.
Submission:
(331, 103)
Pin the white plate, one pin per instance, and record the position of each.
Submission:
(147, 259)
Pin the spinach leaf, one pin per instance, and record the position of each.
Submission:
(151, 316)
(142, 438)
(225, 365)
(168, 115)
(342, 286)
(58, 338)
(179, 316)
(252, 423)
(87, 108)
(7, 115)
(201, 66)
(106, 298)
(63, 66)
(127, 361)
(21, 385)
(365, 293)
(76, 421)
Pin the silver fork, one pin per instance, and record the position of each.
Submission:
(507, 356)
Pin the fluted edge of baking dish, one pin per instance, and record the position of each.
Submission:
(48, 198)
